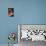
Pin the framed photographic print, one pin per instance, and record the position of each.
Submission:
(11, 12)
(33, 32)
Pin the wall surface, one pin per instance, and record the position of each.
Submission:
(26, 12)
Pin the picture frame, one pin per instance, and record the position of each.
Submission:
(11, 12)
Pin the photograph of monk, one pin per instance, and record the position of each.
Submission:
(11, 12)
